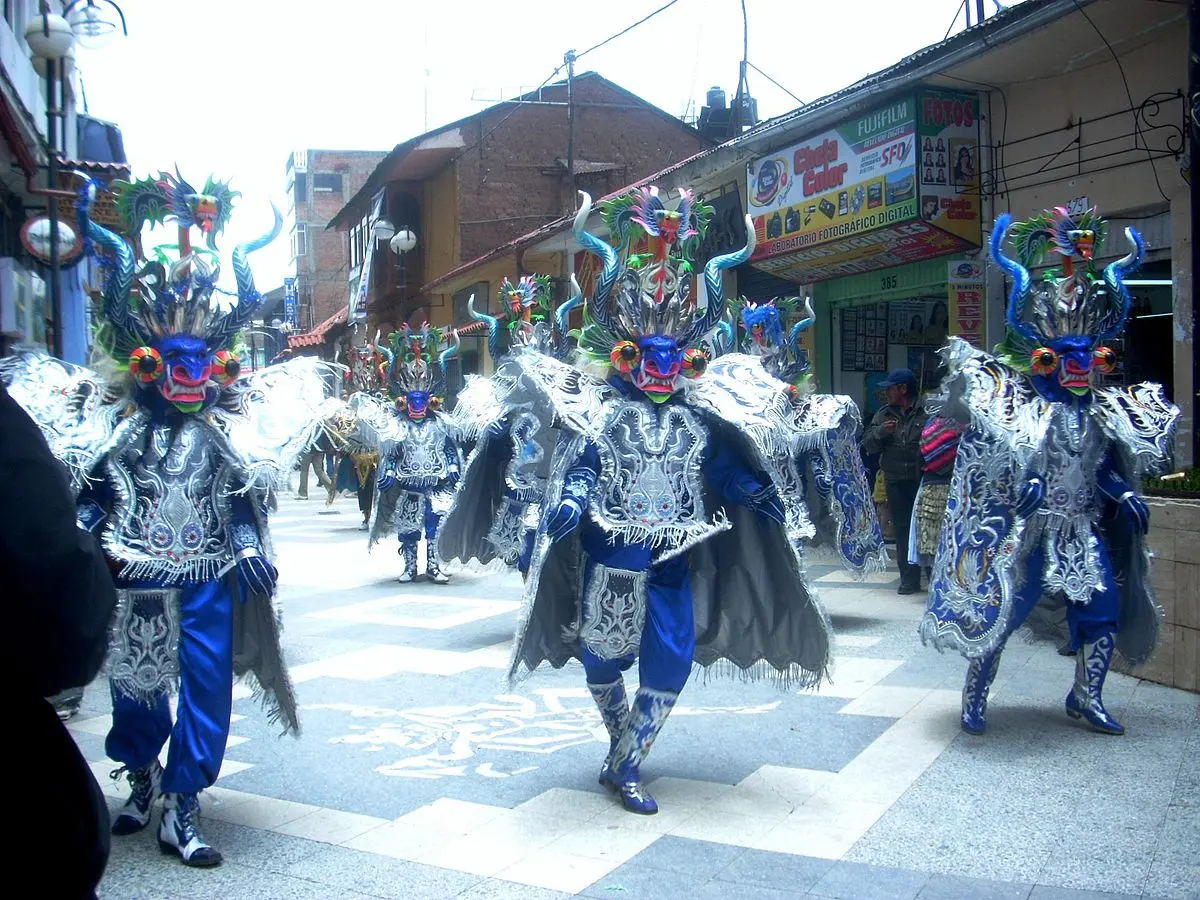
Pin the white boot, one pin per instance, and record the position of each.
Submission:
(180, 831)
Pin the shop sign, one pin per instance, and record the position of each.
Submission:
(966, 288)
(895, 186)
(290, 311)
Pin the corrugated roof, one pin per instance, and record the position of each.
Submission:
(1021, 18)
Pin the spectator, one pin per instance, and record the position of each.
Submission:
(939, 446)
(60, 599)
(895, 434)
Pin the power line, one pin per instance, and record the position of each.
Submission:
(625, 31)
(774, 82)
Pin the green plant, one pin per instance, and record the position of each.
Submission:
(1187, 486)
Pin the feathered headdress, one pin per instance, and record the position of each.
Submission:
(158, 301)
(1076, 303)
(642, 294)
(773, 332)
(417, 359)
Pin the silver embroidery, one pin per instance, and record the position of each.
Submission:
(650, 488)
(614, 612)
(1068, 462)
(171, 517)
(507, 534)
(409, 516)
(421, 459)
(522, 474)
(143, 652)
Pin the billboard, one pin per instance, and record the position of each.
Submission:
(859, 197)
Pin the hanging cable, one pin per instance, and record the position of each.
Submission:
(774, 82)
(1137, 127)
(625, 31)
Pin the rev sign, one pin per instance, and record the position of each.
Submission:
(897, 184)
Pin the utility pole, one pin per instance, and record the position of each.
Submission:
(569, 59)
(52, 205)
(1193, 162)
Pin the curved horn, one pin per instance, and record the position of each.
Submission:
(562, 314)
(601, 314)
(1114, 281)
(493, 327)
(119, 282)
(725, 337)
(249, 299)
(450, 352)
(715, 310)
(1022, 284)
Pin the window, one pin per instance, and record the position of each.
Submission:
(300, 241)
(301, 192)
(326, 183)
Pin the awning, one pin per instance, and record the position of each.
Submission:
(316, 337)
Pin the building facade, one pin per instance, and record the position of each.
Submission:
(318, 183)
(79, 142)
(472, 186)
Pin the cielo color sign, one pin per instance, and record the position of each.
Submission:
(896, 184)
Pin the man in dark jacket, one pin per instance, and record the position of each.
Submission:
(59, 599)
(895, 434)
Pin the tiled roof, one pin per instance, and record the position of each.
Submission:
(317, 335)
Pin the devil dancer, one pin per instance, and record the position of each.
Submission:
(1044, 525)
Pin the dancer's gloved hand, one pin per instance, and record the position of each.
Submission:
(564, 520)
(1031, 497)
(385, 482)
(256, 575)
(1136, 511)
(771, 507)
(496, 430)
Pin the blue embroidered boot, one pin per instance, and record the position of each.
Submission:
(408, 552)
(646, 718)
(614, 711)
(980, 675)
(144, 784)
(180, 832)
(1091, 667)
(433, 571)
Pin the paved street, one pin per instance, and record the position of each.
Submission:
(419, 776)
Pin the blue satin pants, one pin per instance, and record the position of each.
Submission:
(432, 521)
(669, 636)
(205, 703)
(1087, 621)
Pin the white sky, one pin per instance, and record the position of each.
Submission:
(231, 87)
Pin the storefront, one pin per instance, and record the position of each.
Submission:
(867, 215)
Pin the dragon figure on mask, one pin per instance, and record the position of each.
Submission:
(171, 457)
(664, 514)
(824, 437)
(1045, 527)
(418, 445)
(505, 438)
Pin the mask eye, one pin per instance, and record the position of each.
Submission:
(435, 403)
(695, 363)
(401, 403)
(625, 356)
(225, 367)
(145, 364)
(1044, 361)
(1104, 360)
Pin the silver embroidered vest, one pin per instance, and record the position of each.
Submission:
(650, 487)
(172, 513)
(1069, 461)
(420, 459)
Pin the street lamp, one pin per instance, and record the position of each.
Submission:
(402, 241)
(383, 230)
(92, 24)
(50, 38)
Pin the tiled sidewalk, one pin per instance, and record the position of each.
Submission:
(419, 776)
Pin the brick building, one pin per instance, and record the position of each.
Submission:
(476, 184)
(318, 183)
